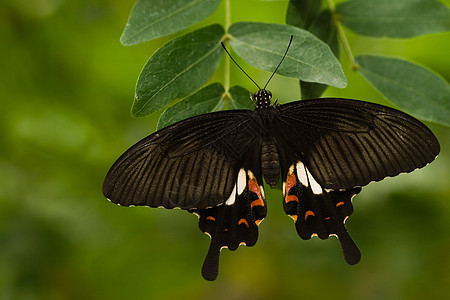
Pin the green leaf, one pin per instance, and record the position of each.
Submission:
(208, 99)
(263, 45)
(240, 98)
(306, 14)
(151, 19)
(416, 90)
(311, 90)
(395, 18)
(177, 69)
(325, 29)
(301, 13)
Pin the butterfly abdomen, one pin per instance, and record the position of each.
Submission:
(270, 162)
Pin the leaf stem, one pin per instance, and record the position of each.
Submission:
(341, 34)
(227, 58)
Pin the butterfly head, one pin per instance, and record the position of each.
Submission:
(262, 98)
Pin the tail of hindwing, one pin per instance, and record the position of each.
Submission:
(233, 223)
(319, 212)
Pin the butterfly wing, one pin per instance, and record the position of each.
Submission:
(236, 221)
(319, 212)
(331, 147)
(191, 164)
(348, 143)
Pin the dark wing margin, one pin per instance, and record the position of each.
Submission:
(235, 222)
(348, 143)
(190, 164)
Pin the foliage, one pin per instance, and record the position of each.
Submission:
(184, 65)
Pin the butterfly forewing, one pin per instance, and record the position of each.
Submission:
(190, 164)
(348, 143)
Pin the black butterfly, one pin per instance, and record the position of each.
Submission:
(324, 150)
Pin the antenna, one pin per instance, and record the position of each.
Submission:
(238, 65)
(276, 69)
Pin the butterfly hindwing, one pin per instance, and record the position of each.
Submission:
(348, 143)
(190, 164)
(235, 222)
(317, 211)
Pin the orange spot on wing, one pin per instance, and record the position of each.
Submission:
(309, 213)
(294, 217)
(210, 218)
(257, 222)
(290, 182)
(290, 198)
(243, 221)
(328, 218)
(339, 204)
(257, 202)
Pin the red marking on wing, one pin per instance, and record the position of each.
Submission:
(290, 182)
(339, 204)
(254, 187)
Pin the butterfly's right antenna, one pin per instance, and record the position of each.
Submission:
(238, 65)
(276, 69)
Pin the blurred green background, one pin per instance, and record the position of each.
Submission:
(66, 88)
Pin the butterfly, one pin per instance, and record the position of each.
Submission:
(323, 150)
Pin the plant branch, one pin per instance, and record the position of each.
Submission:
(341, 35)
(227, 58)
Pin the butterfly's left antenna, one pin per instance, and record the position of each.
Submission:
(276, 69)
(238, 65)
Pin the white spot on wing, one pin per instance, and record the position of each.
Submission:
(301, 174)
(232, 198)
(315, 187)
(241, 181)
(284, 188)
(261, 189)
(291, 170)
